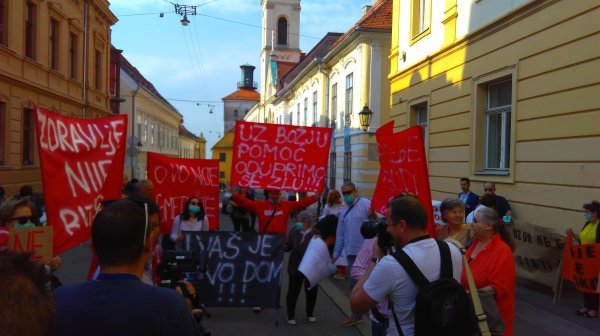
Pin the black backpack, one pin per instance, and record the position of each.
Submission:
(442, 306)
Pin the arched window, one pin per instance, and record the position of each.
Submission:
(282, 31)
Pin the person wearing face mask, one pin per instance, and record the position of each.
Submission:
(590, 234)
(192, 218)
(348, 237)
(299, 237)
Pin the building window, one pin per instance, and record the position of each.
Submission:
(497, 125)
(4, 22)
(28, 136)
(236, 114)
(282, 27)
(145, 137)
(347, 166)
(315, 116)
(421, 17)
(3, 132)
(73, 55)
(291, 117)
(98, 70)
(30, 29)
(222, 174)
(334, 105)
(332, 170)
(54, 48)
(349, 99)
(305, 121)
(222, 157)
(298, 115)
(419, 117)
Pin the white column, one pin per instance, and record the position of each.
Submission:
(375, 87)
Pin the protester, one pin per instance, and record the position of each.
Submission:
(385, 277)
(329, 219)
(348, 238)
(273, 213)
(590, 234)
(299, 238)
(453, 214)
(492, 263)
(117, 302)
(240, 217)
(379, 314)
(502, 206)
(487, 201)
(467, 196)
(130, 188)
(36, 199)
(192, 218)
(26, 303)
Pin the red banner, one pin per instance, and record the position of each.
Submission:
(581, 265)
(281, 157)
(82, 164)
(175, 180)
(403, 169)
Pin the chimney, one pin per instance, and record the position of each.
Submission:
(367, 8)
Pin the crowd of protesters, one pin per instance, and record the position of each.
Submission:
(125, 234)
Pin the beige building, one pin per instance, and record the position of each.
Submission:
(508, 91)
(329, 86)
(188, 143)
(53, 54)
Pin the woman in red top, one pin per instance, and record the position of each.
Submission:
(492, 264)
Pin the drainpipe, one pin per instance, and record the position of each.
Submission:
(133, 128)
(85, 57)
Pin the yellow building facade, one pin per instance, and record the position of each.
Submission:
(223, 151)
(56, 55)
(508, 92)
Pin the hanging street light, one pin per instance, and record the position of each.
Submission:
(365, 118)
(185, 10)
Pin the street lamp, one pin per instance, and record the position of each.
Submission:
(185, 10)
(365, 118)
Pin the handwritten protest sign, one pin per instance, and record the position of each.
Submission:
(37, 240)
(403, 169)
(316, 264)
(538, 251)
(243, 269)
(581, 265)
(82, 164)
(175, 180)
(281, 157)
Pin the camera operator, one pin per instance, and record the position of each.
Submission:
(385, 278)
(117, 302)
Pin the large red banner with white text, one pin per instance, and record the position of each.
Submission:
(280, 157)
(175, 180)
(403, 169)
(82, 164)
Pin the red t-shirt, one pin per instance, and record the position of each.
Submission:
(264, 209)
(494, 266)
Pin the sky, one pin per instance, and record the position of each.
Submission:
(195, 66)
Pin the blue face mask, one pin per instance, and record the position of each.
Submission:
(299, 226)
(194, 209)
(588, 217)
(349, 199)
(24, 226)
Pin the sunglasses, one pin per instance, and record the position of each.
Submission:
(346, 193)
(25, 219)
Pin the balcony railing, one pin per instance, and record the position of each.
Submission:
(241, 84)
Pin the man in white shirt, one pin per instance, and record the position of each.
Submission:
(407, 223)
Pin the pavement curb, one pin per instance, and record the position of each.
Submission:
(342, 302)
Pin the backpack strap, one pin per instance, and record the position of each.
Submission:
(445, 260)
(411, 268)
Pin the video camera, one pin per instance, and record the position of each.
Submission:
(176, 266)
(371, 229)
